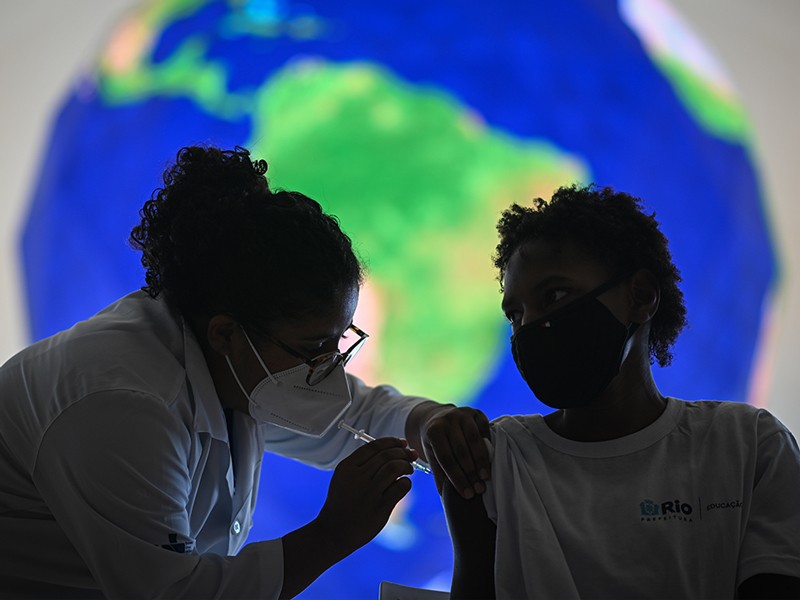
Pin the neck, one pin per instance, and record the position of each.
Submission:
(629, 404)
(228, 391)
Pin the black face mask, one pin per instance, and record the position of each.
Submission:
(570, 356)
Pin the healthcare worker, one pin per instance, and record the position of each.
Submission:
(131, 443)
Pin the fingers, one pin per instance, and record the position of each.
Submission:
(396, 491)
(383, 460)
(388, 447)
(364, 489)
(389, 464)
(455, 442)
(448, 464)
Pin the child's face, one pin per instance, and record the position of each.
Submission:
(543, 276)
(571, 322)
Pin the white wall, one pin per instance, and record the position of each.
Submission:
(759, 47)
(44, 43)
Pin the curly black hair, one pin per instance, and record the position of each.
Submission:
(215, 239)
(613, 227)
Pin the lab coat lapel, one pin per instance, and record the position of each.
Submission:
(209, 416)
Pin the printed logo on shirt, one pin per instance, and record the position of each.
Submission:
(650, 510)
(724, 505)
(668, 510)
(176, 546)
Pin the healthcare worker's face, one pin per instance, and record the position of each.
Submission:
(310, 336)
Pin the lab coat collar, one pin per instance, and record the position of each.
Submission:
(209, 416)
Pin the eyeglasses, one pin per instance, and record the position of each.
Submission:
(319, 367)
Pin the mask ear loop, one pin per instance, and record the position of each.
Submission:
(588, 297)
(258, 356)
(236, 377)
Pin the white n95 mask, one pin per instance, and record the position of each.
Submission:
(285, 399)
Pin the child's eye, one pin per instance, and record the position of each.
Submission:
(553, 296)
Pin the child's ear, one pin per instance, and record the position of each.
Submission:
(645, 295)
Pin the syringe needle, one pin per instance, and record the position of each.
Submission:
(421, 465)
(360, 434)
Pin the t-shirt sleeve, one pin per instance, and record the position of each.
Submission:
(115, 470)
(381, 411)
(771, 542)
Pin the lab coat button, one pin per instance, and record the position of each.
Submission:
(236, 527)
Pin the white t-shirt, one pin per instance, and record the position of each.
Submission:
(689, 507)
(116, 476)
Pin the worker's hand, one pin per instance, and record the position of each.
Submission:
(364, 489)
(453, 441)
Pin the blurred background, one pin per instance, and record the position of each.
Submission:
(417, 123)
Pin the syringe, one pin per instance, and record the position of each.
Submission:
(360, 434)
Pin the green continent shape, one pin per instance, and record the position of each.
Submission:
(418, 182)
(186, 73)
(719, 113)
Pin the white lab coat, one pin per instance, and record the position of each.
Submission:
(116, 475)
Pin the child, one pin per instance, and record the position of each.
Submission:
(621, 492)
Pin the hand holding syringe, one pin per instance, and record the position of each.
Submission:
(360, 434)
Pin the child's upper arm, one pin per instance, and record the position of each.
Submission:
(473, 536)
